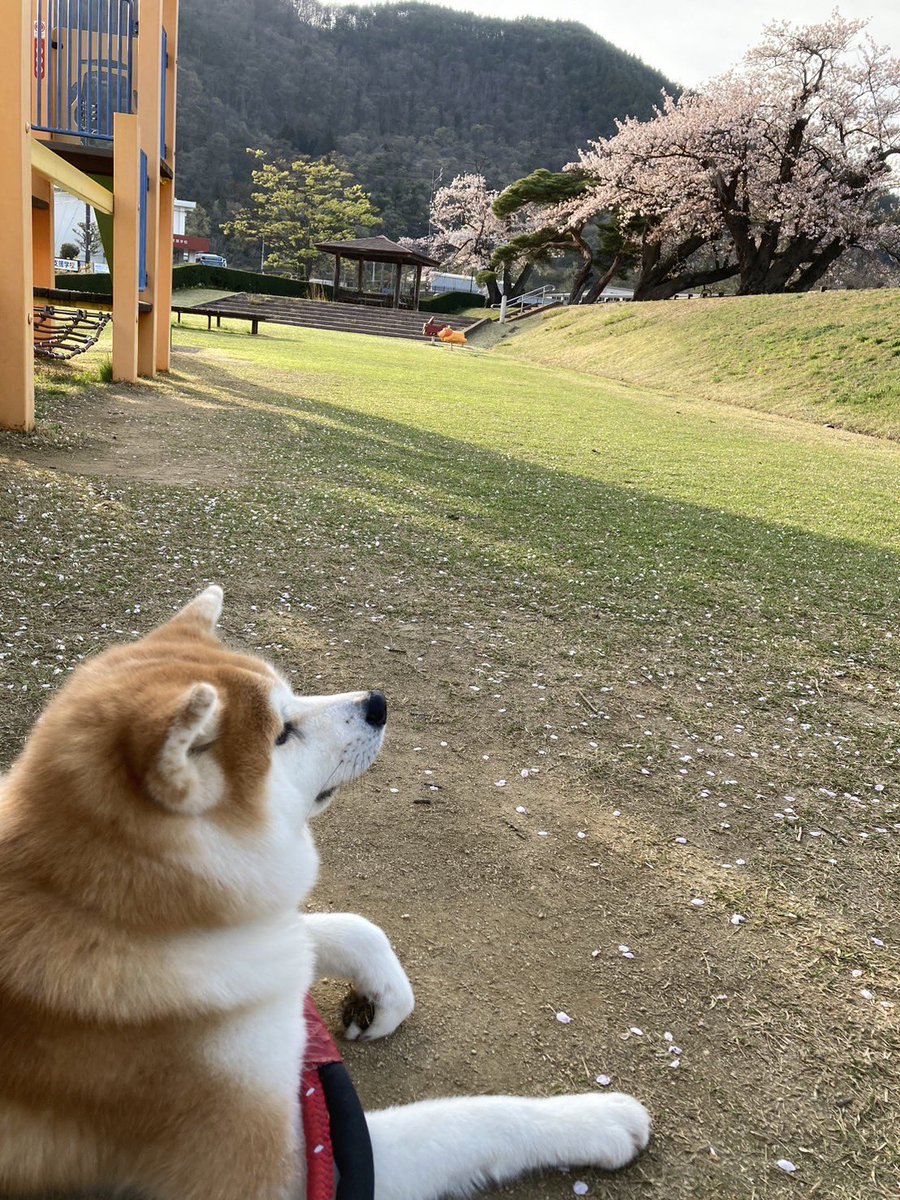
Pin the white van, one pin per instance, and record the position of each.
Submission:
(211, 260)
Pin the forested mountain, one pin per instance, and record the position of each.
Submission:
(401, 91)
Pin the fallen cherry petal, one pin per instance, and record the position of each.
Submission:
(580, 1188)
(785, 1164)
(520, 808)
(738, 918)
(563, 1018)
(675, 1062)
(637, 1032)
(697, 902)
(500, 783)
(603, 1080)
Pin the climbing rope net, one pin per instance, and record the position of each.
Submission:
(65, 332)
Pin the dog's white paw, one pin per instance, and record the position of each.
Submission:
(376, 1011)
(620, 1129)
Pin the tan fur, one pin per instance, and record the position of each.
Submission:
(106, 1073)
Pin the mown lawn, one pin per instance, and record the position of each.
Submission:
(831, 357)
(639, 653)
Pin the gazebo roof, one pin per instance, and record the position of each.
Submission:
(377, 249)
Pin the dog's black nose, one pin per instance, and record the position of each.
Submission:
(376, 709)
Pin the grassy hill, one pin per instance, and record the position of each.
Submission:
(832, 357)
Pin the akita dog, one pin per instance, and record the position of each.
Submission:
(154, 855)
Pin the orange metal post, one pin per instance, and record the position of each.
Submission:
(149, 68)
(16, 298)
(42, 238)
(167, 197)
(126, 247)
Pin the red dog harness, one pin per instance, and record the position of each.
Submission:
(338, 1151)
(320, 1050)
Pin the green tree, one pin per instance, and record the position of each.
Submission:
(87, 237)
(297, 203)
(603, 246)
(197, 222)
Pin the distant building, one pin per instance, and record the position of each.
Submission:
(68, 214)
(441, 282)
(185, 247)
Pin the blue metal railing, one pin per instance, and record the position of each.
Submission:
(162, 95)
(82, 65)
(142, 230)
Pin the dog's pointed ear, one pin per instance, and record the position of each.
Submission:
(173, 779)
(202, 613)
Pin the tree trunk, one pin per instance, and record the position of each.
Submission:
(493, 290)
(595, 290)
(792, 257)
(580, 282)
(520, 285)
(656, 268)
(816, 269)
(670, 287)
(583, 277)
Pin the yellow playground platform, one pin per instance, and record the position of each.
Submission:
(87, 102)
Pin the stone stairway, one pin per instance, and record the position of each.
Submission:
(342, 318)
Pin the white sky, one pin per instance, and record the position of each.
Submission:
(694, 39)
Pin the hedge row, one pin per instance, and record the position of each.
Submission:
(194, 275)
(229, 279)
(453, 302)
(100, 285)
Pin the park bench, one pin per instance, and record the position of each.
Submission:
(211, 311)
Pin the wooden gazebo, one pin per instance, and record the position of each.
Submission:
(375, 250)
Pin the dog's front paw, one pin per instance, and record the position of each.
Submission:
(621, 1130)
(376, 1012)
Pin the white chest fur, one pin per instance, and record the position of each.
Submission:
(257, 976)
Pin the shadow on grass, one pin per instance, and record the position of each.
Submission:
(612, 549)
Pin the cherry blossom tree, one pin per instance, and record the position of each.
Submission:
(467, 232)
(770, 174)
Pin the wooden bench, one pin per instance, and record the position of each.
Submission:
(210, 312)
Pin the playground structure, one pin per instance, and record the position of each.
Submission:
(90, 109)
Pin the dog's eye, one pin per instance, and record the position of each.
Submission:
(285, 734)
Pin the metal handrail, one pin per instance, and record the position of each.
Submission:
(82, 65)
(541, 292)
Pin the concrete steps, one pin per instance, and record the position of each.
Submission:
(339, 317)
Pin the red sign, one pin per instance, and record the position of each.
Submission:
(40, 48)
(190, 242)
